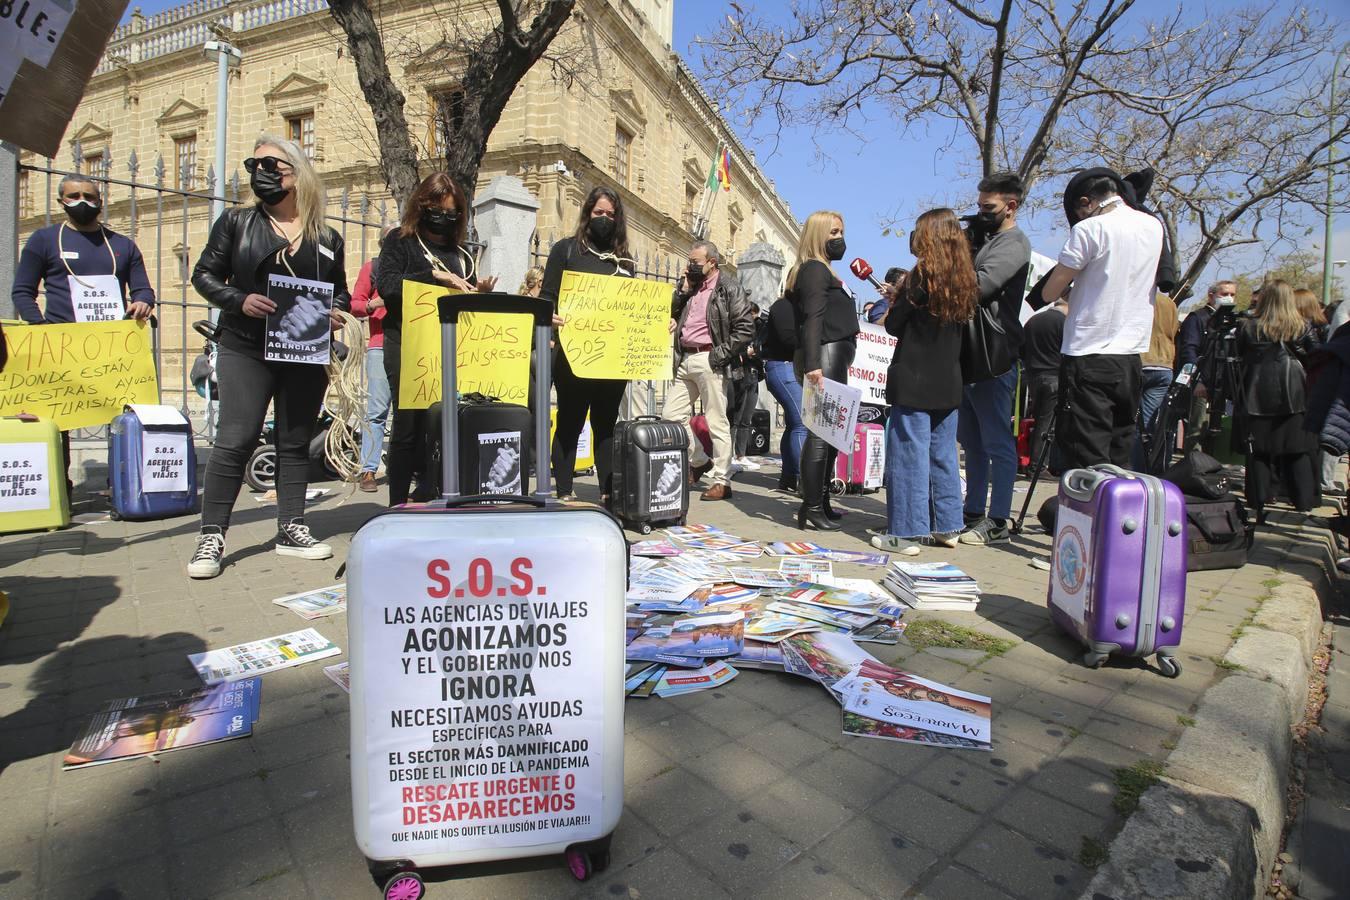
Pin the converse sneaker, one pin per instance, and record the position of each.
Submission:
(294, 539)
(945, 538)
(895, 545)
(986, 531)
(205, 563)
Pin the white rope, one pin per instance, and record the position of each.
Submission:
(346, 401)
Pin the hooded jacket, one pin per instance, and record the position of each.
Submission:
(1328, 413)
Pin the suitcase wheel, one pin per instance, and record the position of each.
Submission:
(645, 528)
(837, 486)
(114, 515)
(1094, 660)
(1169, 666)
(404, 886)
(579, 863)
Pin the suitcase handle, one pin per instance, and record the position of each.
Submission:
(1081, 484)
(467, 500)
(449, 306)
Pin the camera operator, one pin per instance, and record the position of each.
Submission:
(1112, 259)
(1002, 255)
(1193, 340)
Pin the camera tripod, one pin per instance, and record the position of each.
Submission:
(1039, 464)
(1219, 369)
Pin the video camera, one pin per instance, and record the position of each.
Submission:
(976, 230)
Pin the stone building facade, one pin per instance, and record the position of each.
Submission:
(616, 106)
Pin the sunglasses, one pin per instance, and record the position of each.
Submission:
(269, 164)
(81, 195)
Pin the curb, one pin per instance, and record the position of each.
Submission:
(1213, 824)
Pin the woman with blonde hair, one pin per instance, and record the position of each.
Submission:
(1273, 346)
(1310, 308)
(827, 325)
(282, 236)
(533, 281)
(932, 305)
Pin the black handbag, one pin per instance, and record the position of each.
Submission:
(1199, 475)
(1218, 535)
(986, 351)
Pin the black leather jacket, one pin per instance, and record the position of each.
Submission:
(229, 268)
(1273, 378)
(729, 324)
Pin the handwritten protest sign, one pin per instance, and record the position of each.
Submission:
(616, 327)
(78, 375)
(876, 348)
(493, 356)
(831, 411)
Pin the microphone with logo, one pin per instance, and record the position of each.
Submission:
(860, 268)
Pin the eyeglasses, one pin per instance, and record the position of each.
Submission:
(81, 195)
(268, 164)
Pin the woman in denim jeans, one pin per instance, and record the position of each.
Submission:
(780, 343)
(923, 386)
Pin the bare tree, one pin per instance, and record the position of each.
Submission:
(494, 62)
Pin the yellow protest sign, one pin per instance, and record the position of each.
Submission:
(493, 356)
(78, 375)
(616, 327)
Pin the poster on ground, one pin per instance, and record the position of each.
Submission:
(78, 375)
(492, 356)
(615, 327)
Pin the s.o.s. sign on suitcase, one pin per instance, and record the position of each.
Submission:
(1118, 572)
(486, 666)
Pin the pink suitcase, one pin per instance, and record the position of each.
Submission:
(1118, 571)
(863, 467)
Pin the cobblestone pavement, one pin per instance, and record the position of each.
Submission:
(749, 790)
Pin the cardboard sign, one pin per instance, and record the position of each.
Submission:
(875, 473)
(831, 411)
(616, 327)
(301, 329)
(164, 462)
(876, 349)
(79, 374)
(499, 458)
(96, 298)
(25, 482)
(48, 52)
(492, 356)
(1071, 562)
(664, 475)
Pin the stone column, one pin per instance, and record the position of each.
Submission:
(9, 223)
(504, 214)
(760, 270)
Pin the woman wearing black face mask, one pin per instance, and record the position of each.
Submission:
(426, 248)
(599, 247)
(250, 248)
(827, 325)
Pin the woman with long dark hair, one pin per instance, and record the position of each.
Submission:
(598, 247)
(427, 248)
(923, 386)
(827, 324)
(1273, 346)
(282, 235)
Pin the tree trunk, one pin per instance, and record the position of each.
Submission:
(398, 157)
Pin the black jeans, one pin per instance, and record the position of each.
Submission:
(248, 384)
(576, 397)
(1098, 405)
(408, 444)
(817, 456)
(742, 399)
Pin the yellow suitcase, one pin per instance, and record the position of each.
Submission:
(32, 476)
(585, 448)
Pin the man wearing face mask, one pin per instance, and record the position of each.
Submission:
(86, 269)
(1111, 258)
(984, 428)
(713, 326)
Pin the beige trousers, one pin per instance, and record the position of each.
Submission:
(696, 378)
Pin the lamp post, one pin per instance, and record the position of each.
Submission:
(227, 55)
(1331, 178)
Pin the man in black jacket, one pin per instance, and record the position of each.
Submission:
(1191, 340)
(713, 326)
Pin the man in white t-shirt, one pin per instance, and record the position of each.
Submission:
(1112, 260)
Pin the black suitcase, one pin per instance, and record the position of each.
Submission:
(1218, 534)
(651, 459)
(760, 423)
(494, 446)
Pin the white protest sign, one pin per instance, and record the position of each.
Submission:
(1071, 563)
(831, 411)
(876, 349)
(96, 298)
(164, 462)
(1037, 269)
(876, 457)
(25, 479)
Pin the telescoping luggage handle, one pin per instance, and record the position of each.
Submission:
(450, 306)
(1081, 484)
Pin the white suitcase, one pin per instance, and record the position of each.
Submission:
(487, 645)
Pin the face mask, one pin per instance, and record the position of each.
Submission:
(600, 229)
(835, 248)
(439, 222)
(991, 220)
(82, 212)
(695, 274)
(267, 187)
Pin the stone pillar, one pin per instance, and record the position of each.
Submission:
(9, 224)
(504, 214)
(760, 270)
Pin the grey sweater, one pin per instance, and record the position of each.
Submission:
(1001, 269)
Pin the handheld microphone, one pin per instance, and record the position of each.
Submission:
(860, 268)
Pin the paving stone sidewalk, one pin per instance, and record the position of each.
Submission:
(749, 790)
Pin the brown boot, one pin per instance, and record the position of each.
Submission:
(368, 482)
(718, 491)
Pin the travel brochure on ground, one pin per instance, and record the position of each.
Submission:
(693, 619)
(317, 603)
(260, 657)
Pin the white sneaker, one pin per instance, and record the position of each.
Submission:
(895, 545)
(294, 539)
(205, 563)
(746, 462)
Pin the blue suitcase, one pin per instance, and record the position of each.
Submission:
(152, 469)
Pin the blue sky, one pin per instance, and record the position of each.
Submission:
(844, 173)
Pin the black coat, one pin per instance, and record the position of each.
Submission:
(1328, 414)
(925, 372)
(825, 313)
(234, 263)
(1273, 376)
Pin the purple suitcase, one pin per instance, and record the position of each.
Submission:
(1118, 573)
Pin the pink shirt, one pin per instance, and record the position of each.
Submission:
(695, 331)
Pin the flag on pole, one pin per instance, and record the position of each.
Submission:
(712, 175)
(724, 170)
